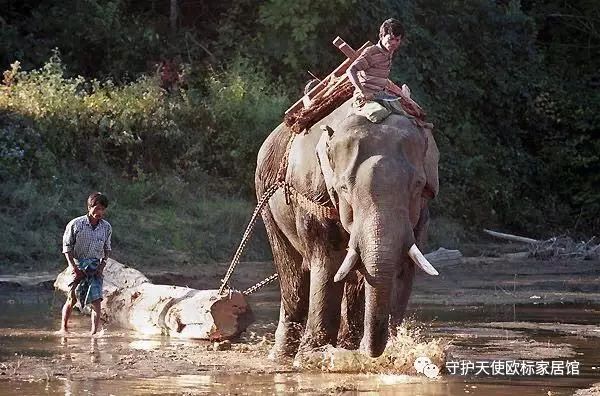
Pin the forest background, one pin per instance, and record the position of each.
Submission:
(163, 106)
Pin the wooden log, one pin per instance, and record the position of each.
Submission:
(511, 237)
(131, 301)
(444, 257)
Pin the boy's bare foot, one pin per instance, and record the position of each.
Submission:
(62, 332)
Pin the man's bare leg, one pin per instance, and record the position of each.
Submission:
(95, 316)
(66, 314)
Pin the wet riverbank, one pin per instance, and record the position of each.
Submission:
(34, 360)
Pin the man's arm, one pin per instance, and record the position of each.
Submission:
(107, 251)
(73, 265)
(68, 245)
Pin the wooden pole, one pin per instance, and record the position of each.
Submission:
(339, 71)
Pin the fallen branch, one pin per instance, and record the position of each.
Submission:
(555, 247)
(511, 237)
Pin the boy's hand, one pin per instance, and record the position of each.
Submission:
(366, 95)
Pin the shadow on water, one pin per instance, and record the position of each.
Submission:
(27, 321)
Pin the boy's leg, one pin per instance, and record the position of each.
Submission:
(95, 316)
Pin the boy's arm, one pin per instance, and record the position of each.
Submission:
(352, 73)
(360, 63)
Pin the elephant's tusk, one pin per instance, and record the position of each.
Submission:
(416, 255)
(347, 265)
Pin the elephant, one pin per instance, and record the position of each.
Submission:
(346, 226)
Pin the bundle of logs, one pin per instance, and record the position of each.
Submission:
(556, 247)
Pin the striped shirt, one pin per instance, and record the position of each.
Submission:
(86, 241)
(373, 66)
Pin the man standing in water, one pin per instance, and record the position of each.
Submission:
(86, 245)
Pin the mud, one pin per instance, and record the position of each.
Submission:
(486, 308)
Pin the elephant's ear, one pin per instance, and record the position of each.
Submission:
(432, 156)
(323, 158)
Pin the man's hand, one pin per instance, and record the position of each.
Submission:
(77, 272)
(100, 270)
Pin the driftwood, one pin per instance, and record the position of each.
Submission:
(131, 301)
(511, 237)
(444, 257)
(556, 247)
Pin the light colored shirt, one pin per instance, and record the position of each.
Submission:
(373, 66)
(86, 241)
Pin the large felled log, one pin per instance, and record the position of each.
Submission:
(131, 301)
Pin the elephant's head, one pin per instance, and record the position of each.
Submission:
(375, 175)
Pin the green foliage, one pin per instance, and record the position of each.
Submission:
(158, 221)
(96, 37)
(135, 127)
(245, 108)
(511, 86)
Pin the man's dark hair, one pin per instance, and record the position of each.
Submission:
(392, 26)
(97, 198)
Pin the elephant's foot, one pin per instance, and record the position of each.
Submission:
(280, 353)
(287, 339)
(313, 340)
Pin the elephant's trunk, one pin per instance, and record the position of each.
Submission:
(380, 251)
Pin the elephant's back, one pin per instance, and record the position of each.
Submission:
(269, 158)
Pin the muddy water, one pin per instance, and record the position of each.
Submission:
(34, 361)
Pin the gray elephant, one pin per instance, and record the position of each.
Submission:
(353, 207)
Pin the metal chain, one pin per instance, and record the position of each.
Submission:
(236, 258)
(261, 284)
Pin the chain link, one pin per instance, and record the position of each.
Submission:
(236, 258)
(260, 284)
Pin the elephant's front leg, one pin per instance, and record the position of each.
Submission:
(323, 319)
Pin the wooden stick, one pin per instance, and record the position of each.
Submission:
(340, 70)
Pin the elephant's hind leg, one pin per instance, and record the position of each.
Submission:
(294, 286)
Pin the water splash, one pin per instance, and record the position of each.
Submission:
(398, 358)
